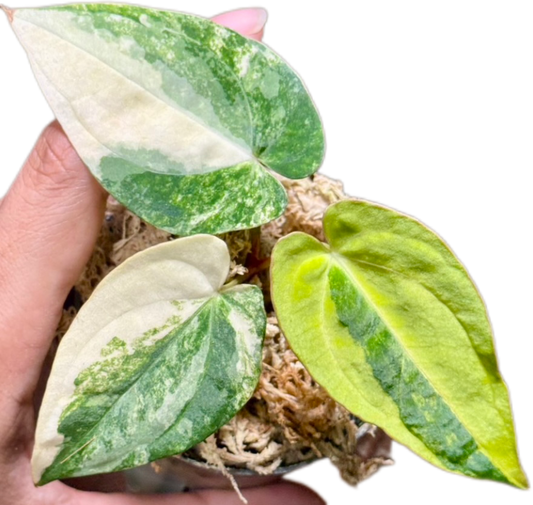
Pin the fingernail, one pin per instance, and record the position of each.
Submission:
(307, 485)
(244, 21)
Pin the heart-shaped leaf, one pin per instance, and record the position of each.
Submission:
(157, 360)
(389, 322)
(178, 117)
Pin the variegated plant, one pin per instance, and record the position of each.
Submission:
(182, 121)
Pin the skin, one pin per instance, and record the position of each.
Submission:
(49, 222)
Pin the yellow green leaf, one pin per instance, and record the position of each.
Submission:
(387, 319)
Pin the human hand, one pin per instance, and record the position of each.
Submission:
(49, 222)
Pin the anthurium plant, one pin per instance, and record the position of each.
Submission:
(191, 126)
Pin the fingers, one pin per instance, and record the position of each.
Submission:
(285, 492)
(49, 221)
(248, 22)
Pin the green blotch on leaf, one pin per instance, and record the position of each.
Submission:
(421, 409)
(235, 198)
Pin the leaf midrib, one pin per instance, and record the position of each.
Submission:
(432, 292)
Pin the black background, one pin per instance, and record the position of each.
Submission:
(425, 110)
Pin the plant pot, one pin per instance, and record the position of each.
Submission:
(196, 475)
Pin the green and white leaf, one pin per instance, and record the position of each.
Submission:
(157, 360)
(178, 117)
(388, 321)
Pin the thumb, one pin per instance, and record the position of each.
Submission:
(49, 221)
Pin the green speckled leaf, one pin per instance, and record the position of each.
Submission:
(175, 115)
(157, 360)
(389, 322)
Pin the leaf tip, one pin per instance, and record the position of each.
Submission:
(7, 11)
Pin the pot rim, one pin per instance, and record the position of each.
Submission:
(281, 470)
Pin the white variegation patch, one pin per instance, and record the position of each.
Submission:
(143, 18)
(111, 100)
(242, 324)
(270, 85)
